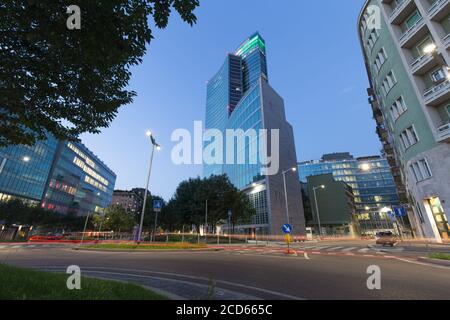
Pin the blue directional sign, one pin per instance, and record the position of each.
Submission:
(157, 205)
(287, 228)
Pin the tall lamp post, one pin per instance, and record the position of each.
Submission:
(157, 147)
(294, 169)
(317, 207)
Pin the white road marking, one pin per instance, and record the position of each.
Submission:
(363, 250)
(334, 248)
(349, 249)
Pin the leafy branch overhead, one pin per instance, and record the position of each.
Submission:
(67, 82)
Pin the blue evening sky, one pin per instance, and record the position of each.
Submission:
(314, 62)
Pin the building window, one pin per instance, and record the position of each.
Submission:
(438, 75)
(373, 37)
(421, 170)
(409, 137)
(380, 59)
(389, 82)
(398, 108)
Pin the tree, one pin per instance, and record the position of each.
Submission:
(67, 82)
(188, 205)
(117, 219)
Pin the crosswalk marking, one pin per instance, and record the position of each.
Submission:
(363, 250)
(349, 249)
(334, 248)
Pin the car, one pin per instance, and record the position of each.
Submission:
(387, 239)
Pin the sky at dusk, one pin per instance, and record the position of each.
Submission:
(314, 63)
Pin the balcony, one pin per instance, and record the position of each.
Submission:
(423, 64)
(437, 94)
(401, 11)
(382, 133)
(413, 34)
(439, 10)
(446, 41)
(388, 149)
(443, 133)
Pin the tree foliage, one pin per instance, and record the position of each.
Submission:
(117, 219)
(188, 206)
(67, 82)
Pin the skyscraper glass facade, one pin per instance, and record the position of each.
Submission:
(254, 62)
(246, 116)
(237, 97)
(24, 170)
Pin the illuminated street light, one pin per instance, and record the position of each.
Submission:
(157, 147)
(293, 169)
(317, 206)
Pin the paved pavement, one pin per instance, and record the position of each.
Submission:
(249, 274)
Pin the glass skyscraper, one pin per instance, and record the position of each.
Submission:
(58, 175)
(371, 181)
(239, 97)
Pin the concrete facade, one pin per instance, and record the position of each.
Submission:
(407, 60)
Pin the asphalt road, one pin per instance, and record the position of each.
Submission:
(248, 274)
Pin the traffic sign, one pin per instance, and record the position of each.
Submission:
(157, 205)
(287, 228)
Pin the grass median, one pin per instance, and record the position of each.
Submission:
(145, 246)
(440, 256)
(26, 284)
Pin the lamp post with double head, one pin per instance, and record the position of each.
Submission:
(157, 147)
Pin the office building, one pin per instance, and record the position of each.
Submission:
(332, 206)
(239, 97)
(57, 175)
(372, 183)
(405, 47)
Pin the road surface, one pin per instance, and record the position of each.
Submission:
(249, 273)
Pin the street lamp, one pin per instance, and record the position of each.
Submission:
(317, 207)
(157, 147)
(294, 169)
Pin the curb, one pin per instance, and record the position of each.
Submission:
(145, 250)
(440, 262)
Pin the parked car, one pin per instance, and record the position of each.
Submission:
(387, 239)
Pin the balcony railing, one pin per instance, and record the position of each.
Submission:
(411, 30)
(436, 91)
(398, 8)
(446, 40)
(421, 61)
(444, 133)
(436, 6)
